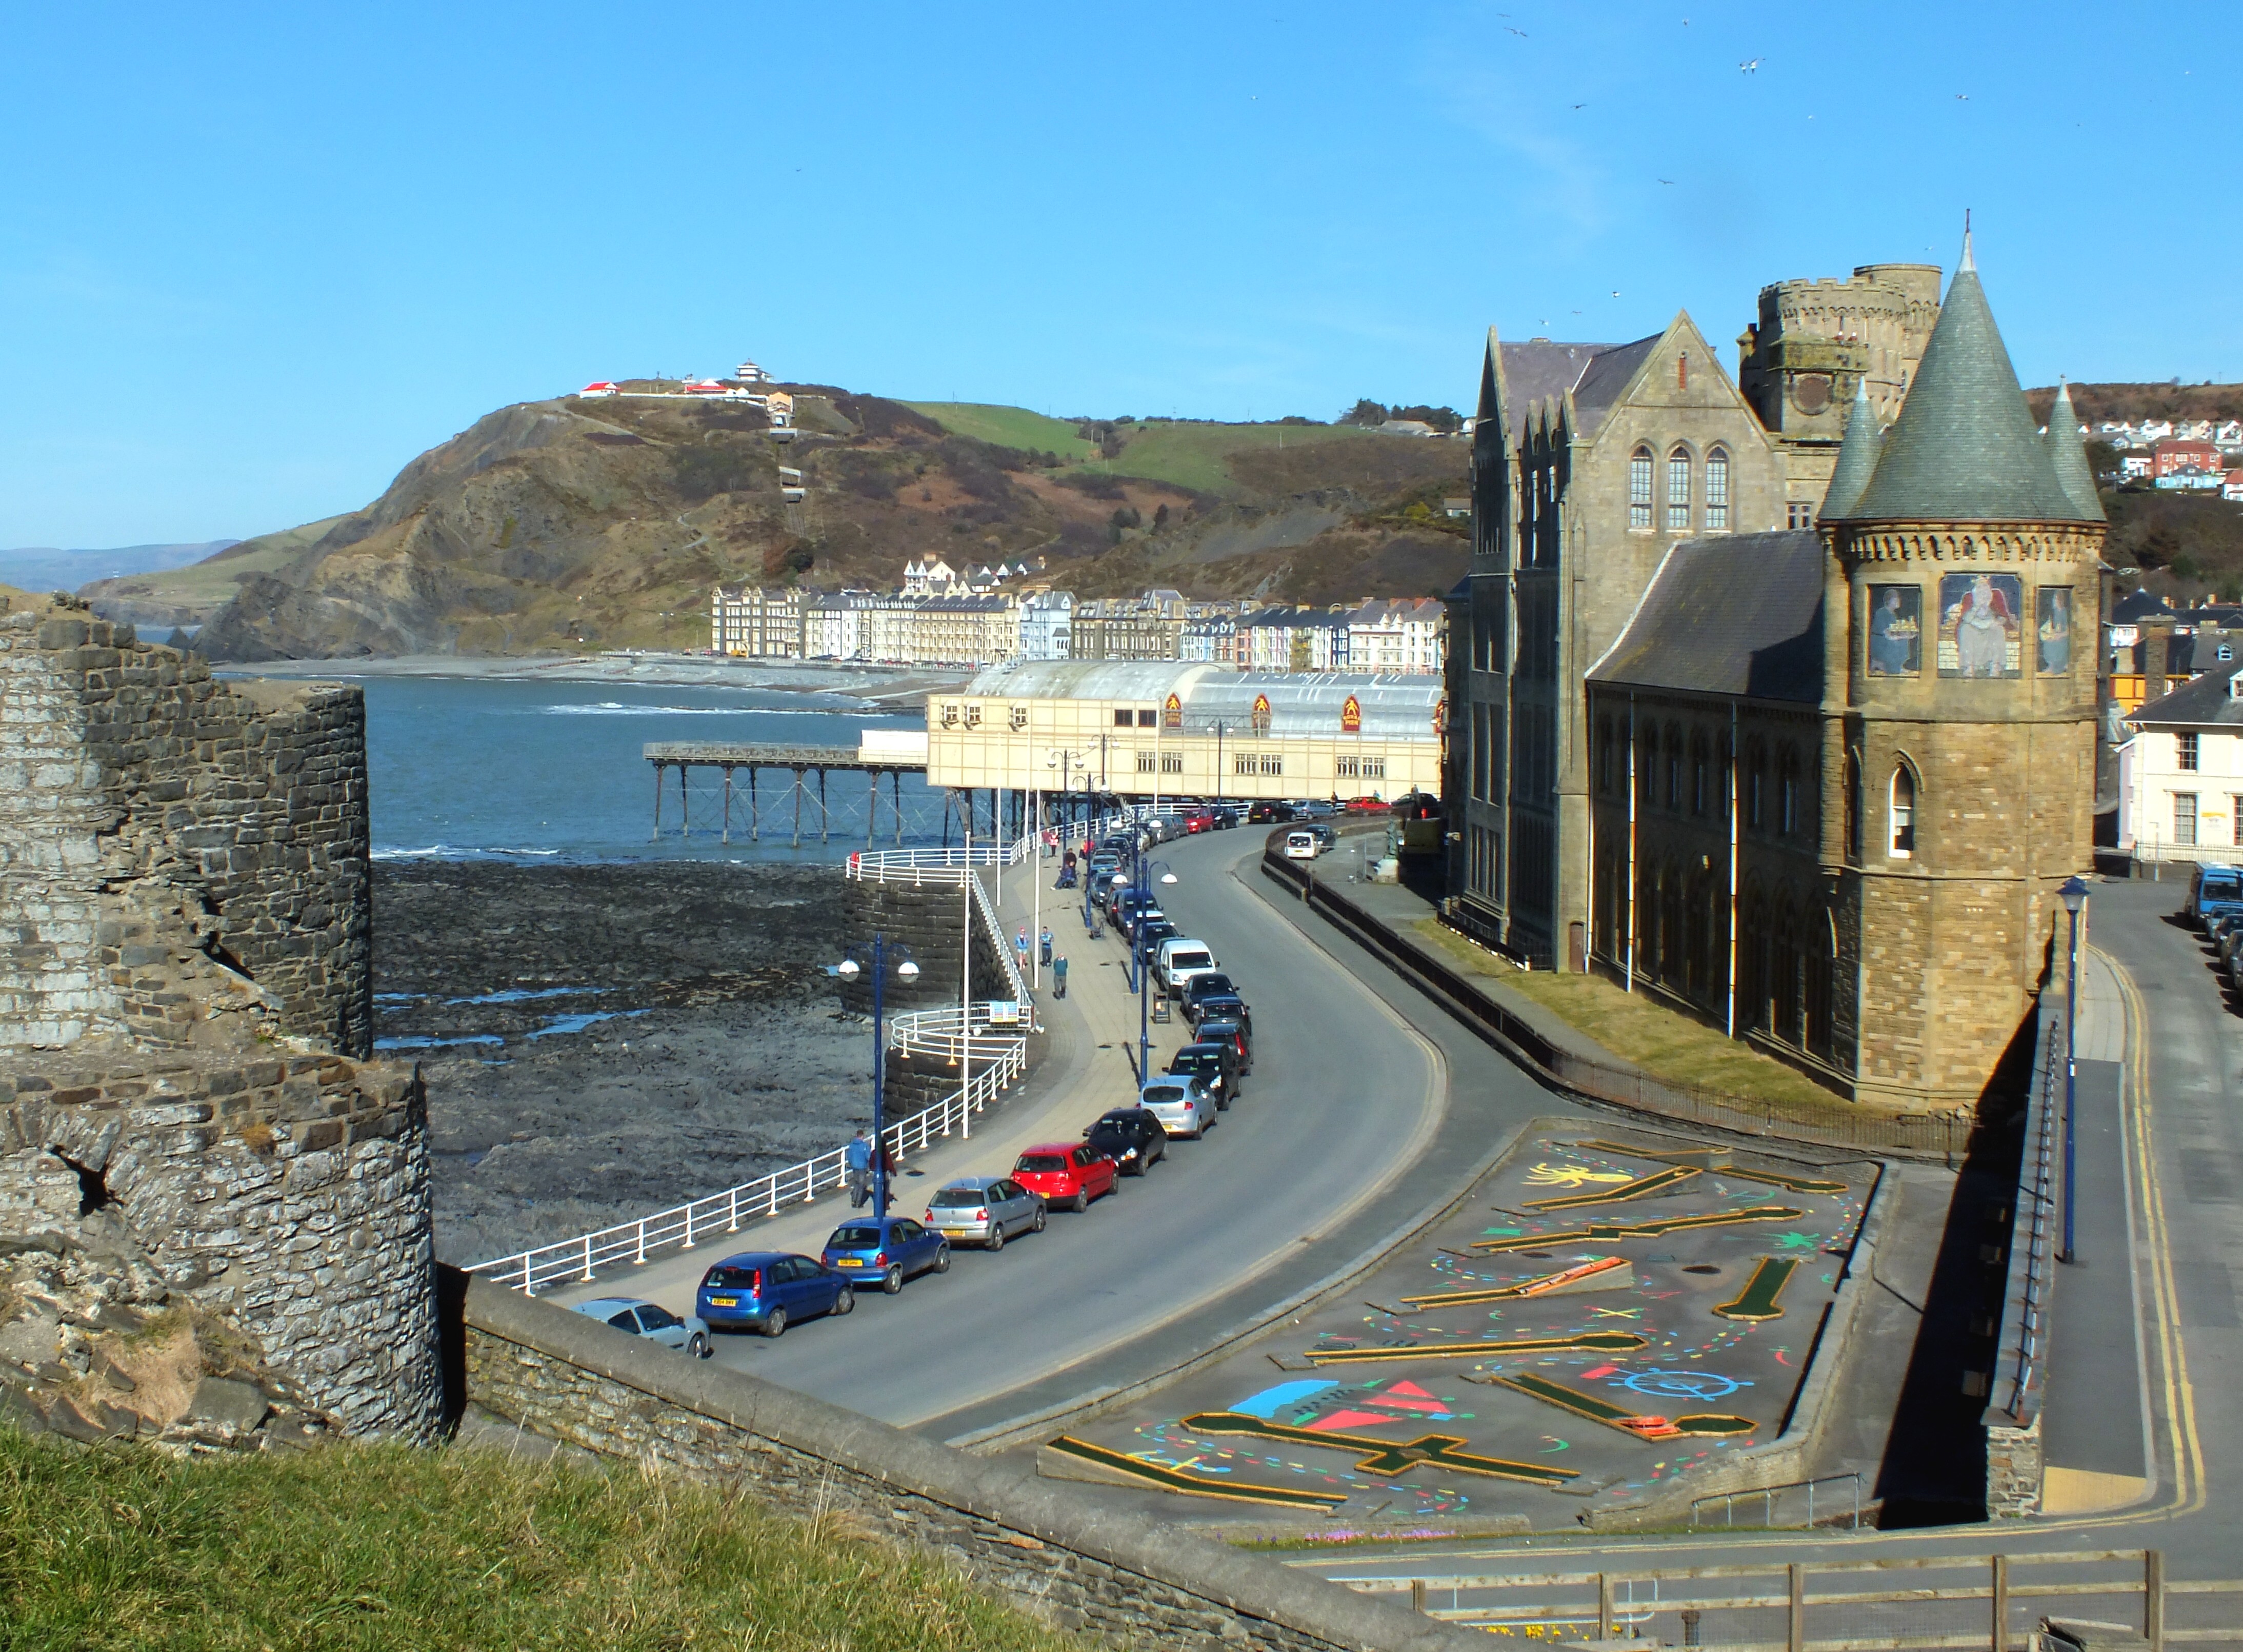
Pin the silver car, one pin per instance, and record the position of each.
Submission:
(1181, 1102)
(640, 1318)
(984, 1210)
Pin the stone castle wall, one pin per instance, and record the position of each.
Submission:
(185, 999)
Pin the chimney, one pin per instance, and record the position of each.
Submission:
(2157, 655)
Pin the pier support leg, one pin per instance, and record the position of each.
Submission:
(657, 833)
(684, 808)
(896, 799)
(727, 837)
(798, 808)
(873, 810)
(824, 819)
(755, 814)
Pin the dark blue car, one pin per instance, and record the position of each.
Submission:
(767, 1290)
(890, 1249)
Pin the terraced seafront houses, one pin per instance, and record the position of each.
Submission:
(1813, 777)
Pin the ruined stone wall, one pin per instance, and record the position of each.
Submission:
(144, 806)
(184, 982)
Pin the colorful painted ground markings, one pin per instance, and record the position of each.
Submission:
(1180, 1479)
(1606, 1273)
(1380, 1457)
(1549, 1175)
(1769, 1177)
(1568, 1342)
(1642, 1187)
(1758, 1299)
(1615, 1232)
(1642, 1425)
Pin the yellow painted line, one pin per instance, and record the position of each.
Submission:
(1657, 1182)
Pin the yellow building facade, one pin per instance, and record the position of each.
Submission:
(1141, 728)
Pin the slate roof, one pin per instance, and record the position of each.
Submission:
(2138, 605)
(1857, 454)
(2067, 452)
(1607, 376)
(2206, 700)
(1965, 448)
(1539, 370)
(1741, 614)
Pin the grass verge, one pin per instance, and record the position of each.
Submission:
(1664, 1042)
(365, 1547)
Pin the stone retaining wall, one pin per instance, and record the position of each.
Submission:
(1071, 1561)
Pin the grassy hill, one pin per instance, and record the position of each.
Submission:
(1007, 427)
(2133, 403)
(190, 595)
(378, 1546)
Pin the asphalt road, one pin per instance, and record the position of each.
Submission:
(1346, 1130)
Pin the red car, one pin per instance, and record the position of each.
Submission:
(1198, 821)
(1067, 1172)
(1366, 806)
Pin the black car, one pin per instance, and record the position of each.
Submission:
(1225, 819)
(1215, 1064)
(1222, 1030)
(1222, 1006)
(1268, 813)
(1210, 983)
(1154, 930)
(1131, 1137)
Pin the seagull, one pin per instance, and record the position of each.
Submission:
(1961, 97)
(1667, 180)
(1508, 30)
(1580, 105)
(1615, 292)
(1748, 65)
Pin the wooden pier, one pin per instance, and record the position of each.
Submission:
(798, 761)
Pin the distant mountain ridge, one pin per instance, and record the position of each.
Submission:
(602, 522)
(44, 568)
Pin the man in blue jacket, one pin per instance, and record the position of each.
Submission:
(858, 1157)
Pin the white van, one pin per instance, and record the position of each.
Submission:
(1179, 961)
(1302, 846)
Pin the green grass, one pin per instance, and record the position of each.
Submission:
(211, 582)
(381, 1547)
(1006, 426)
(1664, 1042)
(1193, 455)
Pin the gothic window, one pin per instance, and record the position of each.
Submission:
(1787, 798)
(1678, 491)
(1674, 767)
(1900, 810)
(1755, 788)
(1717, 492)
(1853, 804)
(1639, 490)
(1701, 772)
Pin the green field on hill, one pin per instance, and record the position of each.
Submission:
(1195, 456)
(1006, 426)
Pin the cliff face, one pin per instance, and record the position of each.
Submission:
(569, 524)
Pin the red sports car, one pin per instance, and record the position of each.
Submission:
(1067, 1172)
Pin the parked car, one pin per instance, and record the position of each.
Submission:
(1366, 806)
(1313, 808)
(1183, 1103)
(1069, 1173)
(1131, 1137)
(2212, 889)
(766, 1291)
(1219, 1007)
(1327, 836)
(1237, 1033)
(1302, 846)
(1178, 960)
(1214, 1065)
(643, 1319)
(1152, 932)
(985, 1210)
(891, 1249)
(1206, 983)
(1267, 811)
(1198, 820)
(1225, 819)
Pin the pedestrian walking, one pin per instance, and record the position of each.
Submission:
(1021, 945)
(856, 1157)
(1059, 976)
(1044, 943)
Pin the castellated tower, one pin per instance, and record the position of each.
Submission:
(188, 1119)
(1959, 725)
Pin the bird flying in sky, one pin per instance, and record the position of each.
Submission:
(1748, 65)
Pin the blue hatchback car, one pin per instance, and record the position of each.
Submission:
(889, 1249)
(766, 1291)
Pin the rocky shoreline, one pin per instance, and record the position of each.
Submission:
(602, 1042)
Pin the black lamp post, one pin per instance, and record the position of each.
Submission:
(906, 972)
(2074, 896)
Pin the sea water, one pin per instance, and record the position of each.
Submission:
(463, 767)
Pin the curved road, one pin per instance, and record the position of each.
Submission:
(1345, 1132)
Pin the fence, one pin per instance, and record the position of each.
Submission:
(1936, 1135)
(1995, 1602)
(1788, 1505)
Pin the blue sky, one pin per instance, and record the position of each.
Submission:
(253, 260)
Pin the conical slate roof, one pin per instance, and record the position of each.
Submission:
(1966, 448)
(2068, 454)
(1857, 455)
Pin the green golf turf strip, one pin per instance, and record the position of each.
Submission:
(1773, 1178)
(1381, 1458)
(1596, 1410)
(1657, 1182)
(1589, 1341)
(1612, 1232)
(1193, 1485)
(1757, 1300)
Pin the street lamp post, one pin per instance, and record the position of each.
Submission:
(2074, 896)
(907, 973)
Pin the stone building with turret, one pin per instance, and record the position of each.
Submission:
(1830, 777)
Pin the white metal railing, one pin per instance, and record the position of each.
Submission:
(997, 1063)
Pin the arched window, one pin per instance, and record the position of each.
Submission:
(1604, 755)
(1717, 492)
(1674, 767)
(1900, 813)
(1787, 798)
(1678, 491)
(1755, 787)
(1853, 804)
(1639, 489)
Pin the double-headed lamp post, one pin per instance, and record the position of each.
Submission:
(1144, 871)
(2074, 896)
(906, 972)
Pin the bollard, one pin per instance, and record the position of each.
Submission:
(1690, 1617)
